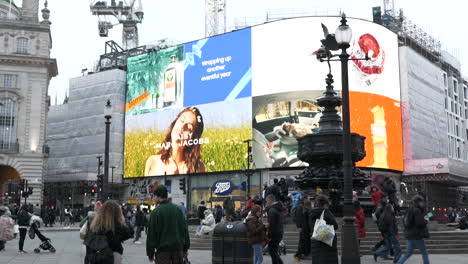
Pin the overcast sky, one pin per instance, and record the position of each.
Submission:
(76, 44)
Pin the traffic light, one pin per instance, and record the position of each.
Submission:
(69, 197)
(100, 181)
(182, 185)
(22, 184)
(93, 190)
(30, 191)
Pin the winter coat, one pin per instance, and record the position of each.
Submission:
(296, 198)
(388, 226)
(209, 221)
(275, 190)
(139, 219)
(376, 197)
(201, 211)
(167, 230)
(256, 230)
(360, 222)
(275, 221)
(115, 239)
(23, 218)
(415, 224)
(321, 252)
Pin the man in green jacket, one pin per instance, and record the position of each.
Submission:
(168, 238)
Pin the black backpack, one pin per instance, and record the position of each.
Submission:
(99, 251)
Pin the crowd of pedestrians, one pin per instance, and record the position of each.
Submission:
(104, 228)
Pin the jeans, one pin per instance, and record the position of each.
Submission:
(390, 242)
(273, 248)
(258, 253)
(411, 245)
(138, 232)
(22, 232)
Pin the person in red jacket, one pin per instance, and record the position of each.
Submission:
(360, 220)
(376, 194)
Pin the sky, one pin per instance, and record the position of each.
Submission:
(77, 45)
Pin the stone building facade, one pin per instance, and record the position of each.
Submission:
(25, 72)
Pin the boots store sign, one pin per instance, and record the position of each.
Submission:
(222, 187)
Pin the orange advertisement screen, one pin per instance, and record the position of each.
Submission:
(378, 118)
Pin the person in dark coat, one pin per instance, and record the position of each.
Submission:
(305, 231)
(416, 230)
(275, 190)
(388, 187)
(256, 232)
(52, 216)
(24, 216)
(201, 210)
(284, 189)
(335, 195)
(389, 227)
(275, 212)
(139, 224)
(321, 252)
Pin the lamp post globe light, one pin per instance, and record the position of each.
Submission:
(107, 116)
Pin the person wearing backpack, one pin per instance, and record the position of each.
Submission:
(107, 232)
(168, 238)
(416, 231)
(7, 227)
(23, 222)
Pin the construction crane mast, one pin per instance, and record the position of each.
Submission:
(215, 17)
(128, 13)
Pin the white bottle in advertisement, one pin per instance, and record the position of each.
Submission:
(170, 83)
(379, 138)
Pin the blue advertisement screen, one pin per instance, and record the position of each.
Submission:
(218, 68)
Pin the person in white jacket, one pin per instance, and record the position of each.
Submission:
(208, 224)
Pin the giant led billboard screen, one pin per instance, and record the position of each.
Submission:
(190, 107)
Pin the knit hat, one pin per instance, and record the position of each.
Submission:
(161, 191)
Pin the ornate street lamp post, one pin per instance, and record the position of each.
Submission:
(332, 152)
(349, 241)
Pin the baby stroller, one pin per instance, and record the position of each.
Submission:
(281, 249)
(45, 245)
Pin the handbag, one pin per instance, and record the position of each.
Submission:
(323, 232)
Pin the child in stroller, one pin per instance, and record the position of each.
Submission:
(33, 231)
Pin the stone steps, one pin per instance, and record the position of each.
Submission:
(443, 240)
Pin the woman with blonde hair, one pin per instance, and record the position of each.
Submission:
(109, 223)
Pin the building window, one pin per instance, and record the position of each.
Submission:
(8, 81)
(7, 124)
(465, 91)
(3, 14)
(455, 86)
(445, 78)
(22, 46)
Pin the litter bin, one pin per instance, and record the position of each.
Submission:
(230, 245)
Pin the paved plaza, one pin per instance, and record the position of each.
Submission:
(70, 250)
